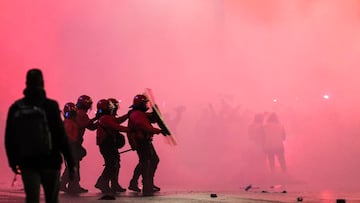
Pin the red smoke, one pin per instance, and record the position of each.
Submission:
(223, 60)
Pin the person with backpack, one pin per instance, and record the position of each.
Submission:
(35, 141)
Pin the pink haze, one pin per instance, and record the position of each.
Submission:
(221, 62)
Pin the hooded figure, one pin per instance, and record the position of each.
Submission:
(43, 169)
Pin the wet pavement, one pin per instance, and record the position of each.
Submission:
(253, 195)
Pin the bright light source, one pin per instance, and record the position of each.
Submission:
(326, 96)
(274, 100)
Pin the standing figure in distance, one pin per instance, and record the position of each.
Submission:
(40, 169)
(256, 134)
(273, 142)
(256, 131)
(140, 139)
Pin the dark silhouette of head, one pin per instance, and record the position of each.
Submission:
(104, 107)
(34, 78)
(84, 102)
(69, 110)
(116, 104)
(140, 102)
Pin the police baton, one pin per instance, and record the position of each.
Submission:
(125, 151)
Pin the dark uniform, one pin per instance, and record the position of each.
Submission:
(140, 139)
(105, 134)
(83, 122)
(77, 150)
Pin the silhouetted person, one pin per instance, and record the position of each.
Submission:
(173, 123)
(107, 129)
(140, 139)
(119, 119)
(42, 169)
(83, 122)
(273, 142)
(256, 131)
(256, 134)
(77, 150)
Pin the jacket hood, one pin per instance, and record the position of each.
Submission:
(34, 95)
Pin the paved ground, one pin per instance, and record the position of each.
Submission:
(251, 196)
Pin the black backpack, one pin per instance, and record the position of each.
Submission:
(32, 134)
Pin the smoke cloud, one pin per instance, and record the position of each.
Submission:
(212, 64)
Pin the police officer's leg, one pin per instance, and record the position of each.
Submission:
(154, 164)
(154, 160)
(64, 179)
(104, 179)
(74, 186)
(147, 177)
(134, 180)
(137, 173)
(145, 153)
(115, 186)
(115, 175)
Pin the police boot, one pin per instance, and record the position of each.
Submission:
(103, 186)
(134, 186)
(75, 188)
(156, 188)
(63, 187)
